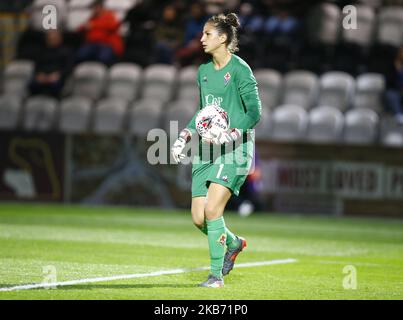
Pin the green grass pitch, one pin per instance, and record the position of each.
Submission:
(90, 242)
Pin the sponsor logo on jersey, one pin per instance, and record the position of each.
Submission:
(227, 77)
(222, 239)
(212, 100)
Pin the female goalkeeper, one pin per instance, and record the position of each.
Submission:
(227, 81)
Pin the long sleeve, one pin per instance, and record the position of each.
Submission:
(247, 87)
(191, 125)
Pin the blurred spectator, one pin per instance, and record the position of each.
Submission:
(221, 6)
(52, 65)
(141, 17)
(250, 21)
(14, 6)
(103, 42)
(214, 6)
(168, 35)
(281, 25)
(249, 33)
(394, 89)
(192, 51)
(195, 24)
(280, 41)
(141, 20)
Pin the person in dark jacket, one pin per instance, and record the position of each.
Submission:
(394, 86)
(52, 66)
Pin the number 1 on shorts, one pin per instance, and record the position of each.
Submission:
(220, 170)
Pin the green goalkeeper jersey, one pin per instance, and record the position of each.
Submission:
(234, 89)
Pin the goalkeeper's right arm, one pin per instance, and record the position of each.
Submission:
(177, 149)
(192, 125)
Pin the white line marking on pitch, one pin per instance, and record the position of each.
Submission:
(139, 275)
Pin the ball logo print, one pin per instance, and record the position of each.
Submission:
(210, 118)
(205, 122)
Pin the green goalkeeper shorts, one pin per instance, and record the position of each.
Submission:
(228, 169)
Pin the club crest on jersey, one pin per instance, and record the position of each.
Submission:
(204, 79)
(224, 178)
(227, 77)
(222, 239)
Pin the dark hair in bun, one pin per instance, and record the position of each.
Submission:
(227, 24)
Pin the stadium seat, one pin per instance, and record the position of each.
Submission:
(181, 111)
(264, 127)
(159, 82)
(36, 14)
(325, 124)
(118, 5)
(40, 113)
(336, 89)
(10, 111)
(289, 123)
(363, 35)
(79, 4)
(300, 88)
(124, 81)
(145, 115)
(360, 126)
(324, 23)
(75, 114)
(270, 86)
(17, 76)
(370, 88)
(390, 30)
(391, 132)
(188, 88)
(110, 115)
(76, 18)
(88, 80)
(375, 4)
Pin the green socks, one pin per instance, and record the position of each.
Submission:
(231, 242)
(216, 239)
(204, 228)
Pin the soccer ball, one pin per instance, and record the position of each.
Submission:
(210, 117)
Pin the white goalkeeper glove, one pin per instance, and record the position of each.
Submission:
(223, 137)
(180, 143)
